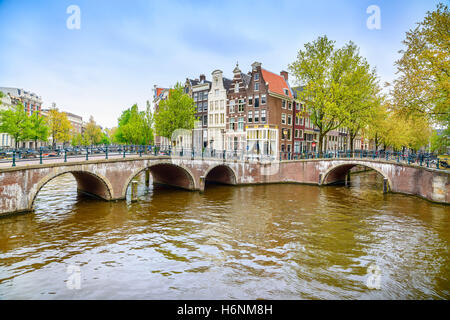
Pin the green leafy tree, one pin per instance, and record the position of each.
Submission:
(122, 122)
(177, 112)
(59, 126)
(105, 140)
(38, 129)
(440, 141)
(135, 127)
(337, 86)
(14, 121)
(423, 86)
(93, 132)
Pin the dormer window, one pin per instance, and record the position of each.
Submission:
(286, 92)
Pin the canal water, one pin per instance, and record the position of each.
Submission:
(281, 241)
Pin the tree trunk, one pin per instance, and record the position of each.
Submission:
(319, 149)
(376, 142)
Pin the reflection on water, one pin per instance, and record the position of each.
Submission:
(272, 242)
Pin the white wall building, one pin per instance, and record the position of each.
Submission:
(31, 102)
(217, 101)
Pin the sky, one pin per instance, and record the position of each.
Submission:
(123, 48)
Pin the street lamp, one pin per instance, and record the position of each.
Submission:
(285, 132)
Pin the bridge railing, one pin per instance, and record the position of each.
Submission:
(13, 157)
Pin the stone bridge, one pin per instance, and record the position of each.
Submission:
(109, 179)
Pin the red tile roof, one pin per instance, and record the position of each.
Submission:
(277, 84)
(158, 91)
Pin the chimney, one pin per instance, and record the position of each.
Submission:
(256, 65)
(284, 74)
(202, 77)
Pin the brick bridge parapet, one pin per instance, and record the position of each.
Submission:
(109, 179)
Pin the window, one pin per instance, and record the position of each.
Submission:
(216, 92)
(297, 106)
(221, 104)
(256, 102)
(222, 118)
(205, 95)
(250, 117)
(256, 116)
(205, 120)
(288, 148)
(256, 86)
(296, 133)
(210, 119)
(241, 105)
(199, 107)
(286, 92)
(289, 106)
(236, 87)
(283, 104)
(216, 119)
(216, 105)
(283, 118)
(296, 146)
(200, 96)
(205, 106)
(231, 106)
(263, 116)
(297, 120)
(195, 96)
(250, 101)
(263, 99)
(256, 76)
(232, 124)
(289, 118)
(241, 124)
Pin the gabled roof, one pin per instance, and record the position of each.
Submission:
(159, 91)
(246, 79)
(296, 89)
(277, 84)
(227, 83)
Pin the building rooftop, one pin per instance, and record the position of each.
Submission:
(276, 82)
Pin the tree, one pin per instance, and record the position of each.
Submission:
(122, 122)
(423, 86)
(337, 86)
(15, 122)
(93, 132)
(360, 92)
(38, 129)
(105, 140)
(111, 133)
(148, 123)
(135, 126)
(177, 112)
(440, 141)
(59, 126)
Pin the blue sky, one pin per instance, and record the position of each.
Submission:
(123, 48)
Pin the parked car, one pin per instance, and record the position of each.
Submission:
(30, 154)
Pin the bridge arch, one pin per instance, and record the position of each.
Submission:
(338, 173)
(88, 182)
(221, 173)
(166, 173)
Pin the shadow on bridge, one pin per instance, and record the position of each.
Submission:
(220, 174)
(341, 175)
(88, 183)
